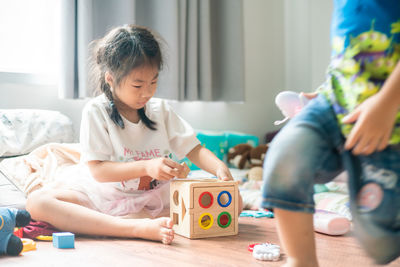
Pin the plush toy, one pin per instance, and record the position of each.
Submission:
(10, 218)
(290, 103)
(238, 156)
(255, 174)
(245, 156)
(257, 155)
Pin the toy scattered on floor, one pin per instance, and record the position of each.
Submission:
(257, 213)
(201, 208)
(28, 244)
(63, 240)
(44, 238)
(265, 251)
(39, 230)
(10, 244)
(290, 103)
(331, 223)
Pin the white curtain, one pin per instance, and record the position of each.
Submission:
(203, 44)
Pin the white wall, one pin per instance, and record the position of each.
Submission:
(286, 48)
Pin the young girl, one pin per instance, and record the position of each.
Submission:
(127, 138)
(357, 110)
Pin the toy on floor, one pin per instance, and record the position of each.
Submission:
(63, 240)
(331, 223)
(265, 251)
(257, 213)
(201, 208)
(290, 103)
(10, 218)
(28, 244)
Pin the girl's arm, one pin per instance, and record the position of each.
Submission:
(207, 161)
(159, 168)
(375, 118)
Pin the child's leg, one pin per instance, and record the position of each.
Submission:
(303, 153)
(65, 210)
(296, 233)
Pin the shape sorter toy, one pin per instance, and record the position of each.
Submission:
(203, 208)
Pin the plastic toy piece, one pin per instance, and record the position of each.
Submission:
(44, 237)
(19, 231)
(331, 223)
(290, 103)
(201, 208)
(64, 240)
(267, 252)
(251, 246)
(28, 244)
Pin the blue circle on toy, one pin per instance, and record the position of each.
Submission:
(229, 200)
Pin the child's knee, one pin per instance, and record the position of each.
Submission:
(37, 201)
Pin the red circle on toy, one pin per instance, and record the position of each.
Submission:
(206, 200)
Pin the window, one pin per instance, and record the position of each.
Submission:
(28, 37)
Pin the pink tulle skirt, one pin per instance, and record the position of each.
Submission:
(108, 198)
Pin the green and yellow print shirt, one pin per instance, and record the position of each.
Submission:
(365, 38)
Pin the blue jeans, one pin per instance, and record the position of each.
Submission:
(309, 150)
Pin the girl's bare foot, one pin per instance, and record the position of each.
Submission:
(159, 229)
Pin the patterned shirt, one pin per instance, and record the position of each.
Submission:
(365, 37)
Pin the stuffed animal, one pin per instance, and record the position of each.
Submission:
(245, 156)
(238, 156)
(10, 218)
(290, 103)
(257, 155)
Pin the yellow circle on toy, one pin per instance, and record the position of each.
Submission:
(206, 221)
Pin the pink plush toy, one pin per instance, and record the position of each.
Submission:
(290, 103)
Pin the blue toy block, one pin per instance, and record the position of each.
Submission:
(64, 240)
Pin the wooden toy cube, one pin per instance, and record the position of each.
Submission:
(64, 240)
(203, 208)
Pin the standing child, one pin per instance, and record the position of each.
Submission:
(357, 110)
(127, 138)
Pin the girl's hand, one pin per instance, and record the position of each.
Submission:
(163, 168)
(224, 174)
(374, 124)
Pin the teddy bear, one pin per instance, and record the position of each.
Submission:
(245, 156)
(238, 156)
(10, 218)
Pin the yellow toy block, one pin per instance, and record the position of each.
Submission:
(203, 208)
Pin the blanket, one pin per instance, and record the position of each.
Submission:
(45, 164)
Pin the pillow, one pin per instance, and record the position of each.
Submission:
(23, 130)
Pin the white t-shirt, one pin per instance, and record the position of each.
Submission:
(101, 139)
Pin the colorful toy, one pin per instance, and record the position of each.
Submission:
(64, 240)
(265, 251)
(290, 103)
(10, 244)
(28, 244)
(203, 208)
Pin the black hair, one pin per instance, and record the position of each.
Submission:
(119, 52)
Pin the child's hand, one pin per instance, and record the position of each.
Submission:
(163, 168)
(224, 174)
(309, 95)
(374, 124)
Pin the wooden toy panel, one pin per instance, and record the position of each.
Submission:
(213, 205)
